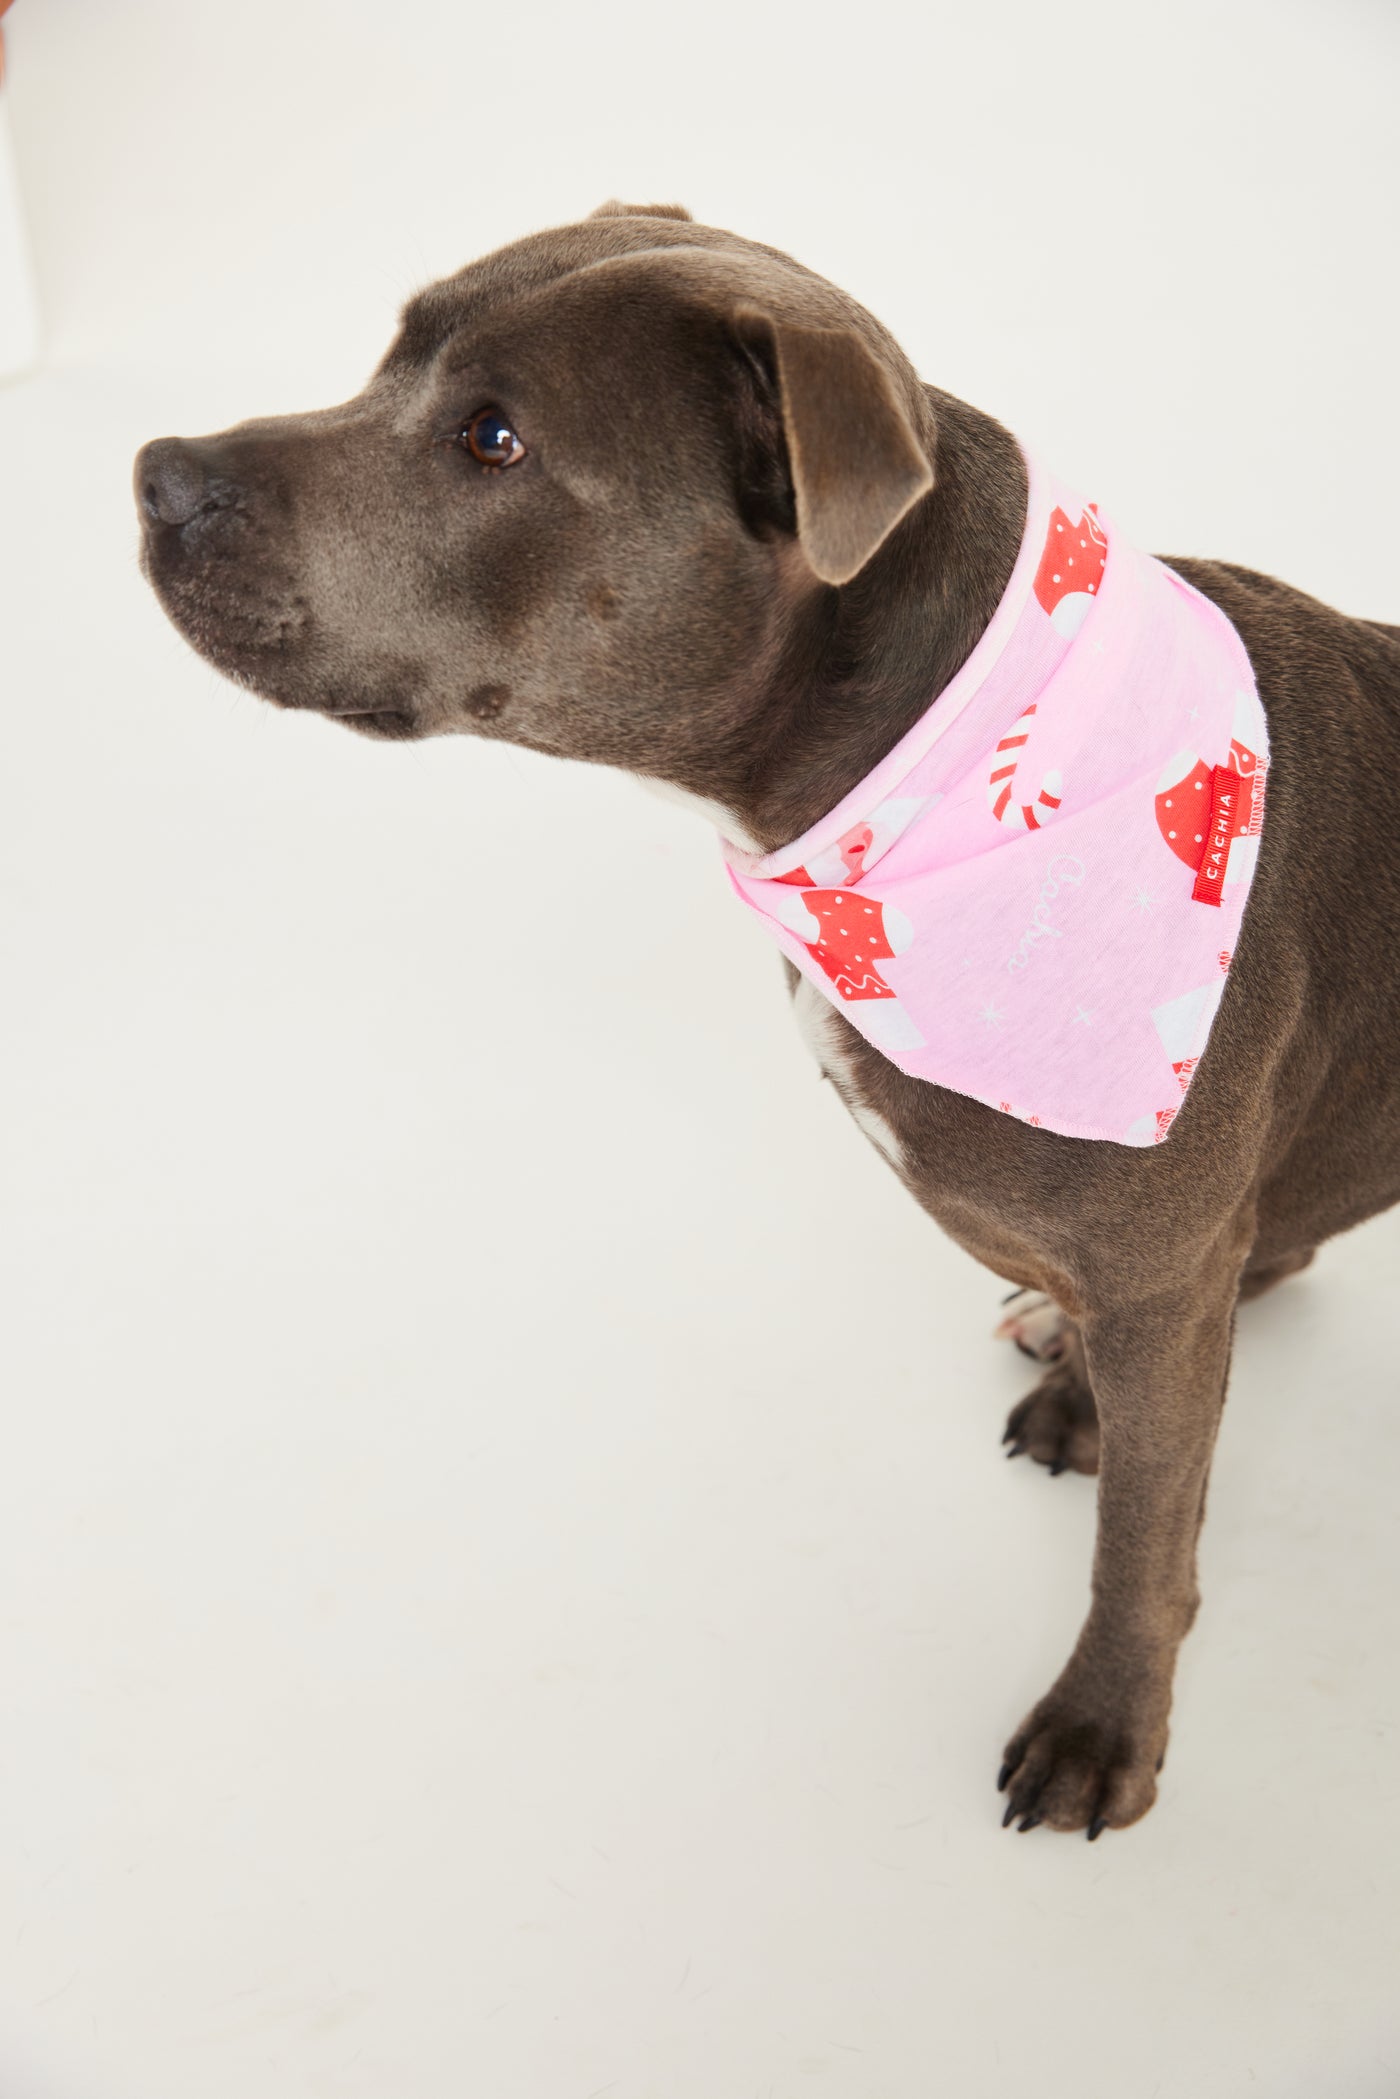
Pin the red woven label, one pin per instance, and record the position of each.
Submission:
(1227, 791)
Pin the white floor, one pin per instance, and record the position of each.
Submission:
(508, 1582)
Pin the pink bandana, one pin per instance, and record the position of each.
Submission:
(1034, 898)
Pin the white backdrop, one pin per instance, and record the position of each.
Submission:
(508, 1584)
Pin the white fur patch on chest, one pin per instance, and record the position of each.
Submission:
(723, 820)
(820, 1029)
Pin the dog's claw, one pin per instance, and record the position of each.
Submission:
(1002, 1776)
(1018, 1448)
(1028, 1822)
(1010, 1816)
(1056, 1424)
(1097, 1826)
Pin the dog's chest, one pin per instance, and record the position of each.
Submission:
(820, 1028)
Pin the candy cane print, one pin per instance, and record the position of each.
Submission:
(1022, 816)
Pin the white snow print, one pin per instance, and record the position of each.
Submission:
(1182, 1025)
(1241, 861)
(1012, 800)
(899, 930)
(1149, 1129)
(887, 1024)
(895, 816)
(1071, 612)
(789, 908)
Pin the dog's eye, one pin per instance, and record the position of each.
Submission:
(490, 439)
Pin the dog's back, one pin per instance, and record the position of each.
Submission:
(1316, 947)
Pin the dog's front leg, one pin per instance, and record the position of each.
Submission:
(1087, 1756)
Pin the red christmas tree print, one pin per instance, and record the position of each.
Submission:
(1203, 811)
(1183, 806)
(1073, 559)
(851, 941)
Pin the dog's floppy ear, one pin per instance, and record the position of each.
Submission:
(616, 209)
(857, 465)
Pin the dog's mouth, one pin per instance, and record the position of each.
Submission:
(388, 724)
(289, 676)
(217, 561)
(386, 715)
(260, 633)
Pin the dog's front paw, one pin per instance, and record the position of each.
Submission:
(1057, 1424)
(1072, 1768)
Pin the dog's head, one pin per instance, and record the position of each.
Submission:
(578, 505)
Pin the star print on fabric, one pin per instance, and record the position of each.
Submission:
(993, 1015)
(1144, 900)
(1085, 1018)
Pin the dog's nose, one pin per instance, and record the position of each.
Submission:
(172, 485)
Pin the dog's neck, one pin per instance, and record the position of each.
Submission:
(854, 669)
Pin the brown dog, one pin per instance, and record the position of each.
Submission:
(640, 492)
